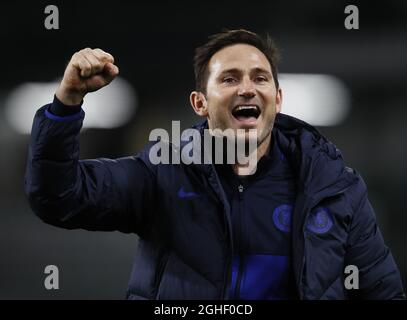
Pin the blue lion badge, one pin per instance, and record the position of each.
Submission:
(320, 221)
(282, 217)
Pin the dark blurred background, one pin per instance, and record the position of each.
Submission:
(153, 44)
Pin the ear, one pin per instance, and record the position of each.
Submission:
(199, 103)
(279, 100)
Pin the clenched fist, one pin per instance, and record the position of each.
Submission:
(87, 71)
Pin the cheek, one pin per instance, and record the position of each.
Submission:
(215, 112)
(268, 93)
(216, 94)
(269, 99)
(218, 100)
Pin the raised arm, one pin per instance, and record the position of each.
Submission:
(99, 194)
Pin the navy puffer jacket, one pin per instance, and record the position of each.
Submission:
(185, 247)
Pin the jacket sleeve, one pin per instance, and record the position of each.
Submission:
(100, 194)
(379, 277)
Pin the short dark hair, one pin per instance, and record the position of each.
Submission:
(227, 38)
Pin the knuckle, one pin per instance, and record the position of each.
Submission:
(104, 54)
(97, 66)
(84, 51)
(86, 71)
(85, 65)
(82, 60)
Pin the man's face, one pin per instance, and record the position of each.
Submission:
(241, 93)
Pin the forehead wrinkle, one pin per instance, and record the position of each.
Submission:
(230, 58)
(218, 66)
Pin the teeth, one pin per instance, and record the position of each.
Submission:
(238, 108)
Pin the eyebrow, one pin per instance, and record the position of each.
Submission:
(236, 70)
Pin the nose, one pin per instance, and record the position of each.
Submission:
(247, 88)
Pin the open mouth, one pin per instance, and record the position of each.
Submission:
(246, 113)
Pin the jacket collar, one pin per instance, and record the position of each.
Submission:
(317, 163)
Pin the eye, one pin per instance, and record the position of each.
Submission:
(229, 80)
(261, 79)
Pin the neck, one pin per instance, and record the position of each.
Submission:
(262, 149)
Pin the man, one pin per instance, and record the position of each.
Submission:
(288, 231)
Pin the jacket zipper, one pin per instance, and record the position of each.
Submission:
(226, 277)
(240, 235)
(214, 179)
